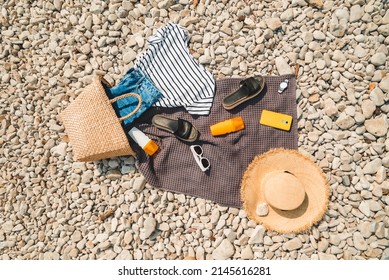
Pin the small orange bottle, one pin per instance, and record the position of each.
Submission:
(227, 126)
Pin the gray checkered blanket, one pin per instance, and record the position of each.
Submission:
(174, 169)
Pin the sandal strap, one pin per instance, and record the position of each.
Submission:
(249, 84)
(183, 129)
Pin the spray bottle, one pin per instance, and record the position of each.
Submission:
(148, 145)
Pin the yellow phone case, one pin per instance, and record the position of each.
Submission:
(276, 120)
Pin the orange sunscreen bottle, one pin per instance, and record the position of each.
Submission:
(148, 145)
(227, 126)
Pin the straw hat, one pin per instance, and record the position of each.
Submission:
(284, 191)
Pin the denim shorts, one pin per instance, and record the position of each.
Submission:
(137, 82)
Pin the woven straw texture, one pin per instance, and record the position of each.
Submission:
(94, 130)
(173, 168)
(306, 171)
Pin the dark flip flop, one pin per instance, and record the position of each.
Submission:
(250, 88)
(182, 129)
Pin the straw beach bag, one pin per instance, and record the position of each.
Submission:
(94, 130)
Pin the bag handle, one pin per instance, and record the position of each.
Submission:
(125, 96)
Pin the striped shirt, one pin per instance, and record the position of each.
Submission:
(181, 80)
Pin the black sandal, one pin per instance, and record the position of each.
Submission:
(182, 129)
(250, 88)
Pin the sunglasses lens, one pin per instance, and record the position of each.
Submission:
(198, 150)
(205, 162)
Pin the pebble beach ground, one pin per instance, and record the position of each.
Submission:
(52, 207)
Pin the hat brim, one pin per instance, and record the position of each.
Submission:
(309, 174)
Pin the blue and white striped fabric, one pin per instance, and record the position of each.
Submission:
(181, 80)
